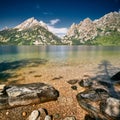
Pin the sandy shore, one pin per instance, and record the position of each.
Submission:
(57, 76)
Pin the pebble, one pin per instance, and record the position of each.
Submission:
(34, 115)
(57, 115)
(74, 81)
(70, 118)
(74, 87)
(48, 117)
(33, 105)
(7, 113)
(24, 114)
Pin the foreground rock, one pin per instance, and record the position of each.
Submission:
(25, 94)
(99, 104)
(111, 107)
(116, 77)
(99, 100)
(42, 114)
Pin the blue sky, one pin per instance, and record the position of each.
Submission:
(59, 14)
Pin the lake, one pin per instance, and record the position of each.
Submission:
(15, 58)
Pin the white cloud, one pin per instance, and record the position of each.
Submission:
(58, 31)
(53, 22)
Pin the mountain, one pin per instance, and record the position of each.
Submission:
(30, 32)
(103, 31)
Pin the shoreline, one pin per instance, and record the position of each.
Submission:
(57, 76)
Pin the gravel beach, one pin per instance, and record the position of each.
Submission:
(57, 76)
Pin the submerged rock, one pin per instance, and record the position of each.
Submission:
(86, 99)
(93, 95)
(72, 82)
(74, 87)
(85, 83)
(25, 94)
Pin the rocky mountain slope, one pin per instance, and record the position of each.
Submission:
(103, 31)
(30, 32)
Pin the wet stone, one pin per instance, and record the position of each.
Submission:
(111, 107)
(85, 83)
(72, 82)
(25, 94)
(74, 87)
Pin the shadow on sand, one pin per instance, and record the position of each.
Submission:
(7, 69)
(105, 71)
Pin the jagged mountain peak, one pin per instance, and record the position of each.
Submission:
(29, 32)
(31, 22)
(43, 24)
(88, 30)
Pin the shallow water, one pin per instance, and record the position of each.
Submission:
(19, 57)
(60, 54)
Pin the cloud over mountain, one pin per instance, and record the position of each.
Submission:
(54, 21)
(61, 31)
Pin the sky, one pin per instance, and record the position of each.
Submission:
(57, 14)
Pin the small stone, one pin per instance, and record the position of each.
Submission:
(48, 117)
(57, 115)
(34, 115)
(33, 105)
(7, 113)
(70, 118)
(24, 114)
(43, 113)
(74, 87)
(74, 81)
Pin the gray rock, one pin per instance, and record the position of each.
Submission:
(48, 117)
(85, 83)
(17, 95)
(93, 95)
(34, 115)
(111, 107)
(70, 118)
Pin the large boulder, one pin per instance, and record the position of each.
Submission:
(111, 107)
(116, 77)
(25, 94)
